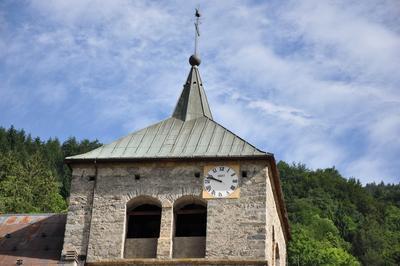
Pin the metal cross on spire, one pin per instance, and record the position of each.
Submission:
(197, 33)
(194, 60)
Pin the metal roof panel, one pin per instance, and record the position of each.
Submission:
(174, 138)
(194, 136)
(205, 138)
(227, 143)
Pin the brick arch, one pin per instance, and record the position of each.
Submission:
(189, 199)
(142, 199)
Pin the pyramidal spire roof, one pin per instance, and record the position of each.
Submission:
(193, 102)
(191, 132)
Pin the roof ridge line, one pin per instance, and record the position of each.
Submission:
(240, 137)
(199, 89)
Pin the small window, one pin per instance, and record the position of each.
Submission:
(273, 234)
(144, 222)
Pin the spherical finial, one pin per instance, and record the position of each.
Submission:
(194, 60)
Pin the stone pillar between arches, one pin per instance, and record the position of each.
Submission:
(164, 245)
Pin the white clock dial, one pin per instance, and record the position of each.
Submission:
(221, 181)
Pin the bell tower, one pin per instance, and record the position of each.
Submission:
(183, 191)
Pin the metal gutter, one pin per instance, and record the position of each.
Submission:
(172, 159)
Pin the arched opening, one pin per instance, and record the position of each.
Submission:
(190, 228)
(277, 256)
(143, 228)
(144, 222)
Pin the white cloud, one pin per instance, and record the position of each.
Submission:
(311, 81)
(292, 115)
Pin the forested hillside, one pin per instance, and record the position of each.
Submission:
(33, 176)
(334, 221)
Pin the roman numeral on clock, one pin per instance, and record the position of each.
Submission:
(220, 181)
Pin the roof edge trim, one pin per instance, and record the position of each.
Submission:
(144, 159)
(279, 194)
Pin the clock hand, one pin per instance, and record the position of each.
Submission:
(213, 178)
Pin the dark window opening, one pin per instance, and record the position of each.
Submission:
(144, 222)
(273, 234)
(191, 220)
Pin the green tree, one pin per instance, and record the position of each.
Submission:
(334, 220)
(337, 221)
(52, 151)
(28, 187)
(306, 249)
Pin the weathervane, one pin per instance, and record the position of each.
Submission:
(197, 33)
(194, 60)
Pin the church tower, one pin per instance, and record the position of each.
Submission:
(184, 191)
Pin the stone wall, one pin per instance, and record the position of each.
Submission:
(236, 228)
(275, 234)
(79, 211)
(140, 248)
(189, 247)
(179, 262)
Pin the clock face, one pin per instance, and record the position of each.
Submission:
(221, 181)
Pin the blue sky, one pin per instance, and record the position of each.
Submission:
(316, 82)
